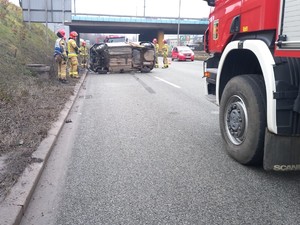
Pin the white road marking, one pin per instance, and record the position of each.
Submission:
(167, 82)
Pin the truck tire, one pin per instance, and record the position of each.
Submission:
(243, 118)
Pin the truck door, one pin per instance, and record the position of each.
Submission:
(224, 13)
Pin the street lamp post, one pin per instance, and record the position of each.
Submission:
(178, 27)
(74, 7)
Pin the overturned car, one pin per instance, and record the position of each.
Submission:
(122, 57)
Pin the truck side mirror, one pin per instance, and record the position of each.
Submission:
(211, 2)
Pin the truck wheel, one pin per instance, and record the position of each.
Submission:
(243, 118)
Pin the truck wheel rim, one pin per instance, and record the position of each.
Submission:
(236, 120)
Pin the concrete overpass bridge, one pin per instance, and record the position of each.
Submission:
(147, 27)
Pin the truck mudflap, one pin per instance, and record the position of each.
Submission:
(281, 153)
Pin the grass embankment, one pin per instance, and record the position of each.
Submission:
(28, 103)
(21, 43)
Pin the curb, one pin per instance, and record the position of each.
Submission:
(17, 201)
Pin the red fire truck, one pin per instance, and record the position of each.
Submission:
(253, 74)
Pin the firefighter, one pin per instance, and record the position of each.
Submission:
(60, 55)
(156, 45)
(165, 51)
(83, 54)
(72, 54)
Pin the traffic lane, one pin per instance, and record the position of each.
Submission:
(185, 75)
(143, 169)
(185, 72)
(139, 143)
(141, 157)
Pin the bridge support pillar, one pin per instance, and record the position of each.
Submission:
(160, 38)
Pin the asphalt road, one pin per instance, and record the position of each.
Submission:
(146, 149)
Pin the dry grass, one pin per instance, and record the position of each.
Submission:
(29, 104)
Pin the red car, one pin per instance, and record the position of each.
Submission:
(182, 53)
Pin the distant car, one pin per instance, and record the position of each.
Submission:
(182, 53)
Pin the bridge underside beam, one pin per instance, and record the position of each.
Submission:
(134, 28)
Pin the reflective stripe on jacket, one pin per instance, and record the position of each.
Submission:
(72, 46)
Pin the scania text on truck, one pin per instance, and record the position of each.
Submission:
(253, 74)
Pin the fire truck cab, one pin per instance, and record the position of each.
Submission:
(253, 74)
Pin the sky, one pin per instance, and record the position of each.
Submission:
(155, 8)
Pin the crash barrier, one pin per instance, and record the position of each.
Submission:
(122, 57)
(41, 70)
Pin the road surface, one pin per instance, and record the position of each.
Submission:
(146, 149)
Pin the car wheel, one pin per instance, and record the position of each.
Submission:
(243, 118)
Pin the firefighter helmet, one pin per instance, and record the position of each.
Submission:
(154, 40)
(83, 43)
(73, 34)
(61, 33)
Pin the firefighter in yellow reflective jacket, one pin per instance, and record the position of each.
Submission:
(165, 52)
(60, 55)
(72, 54)
(156, 45)
(83, 54)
